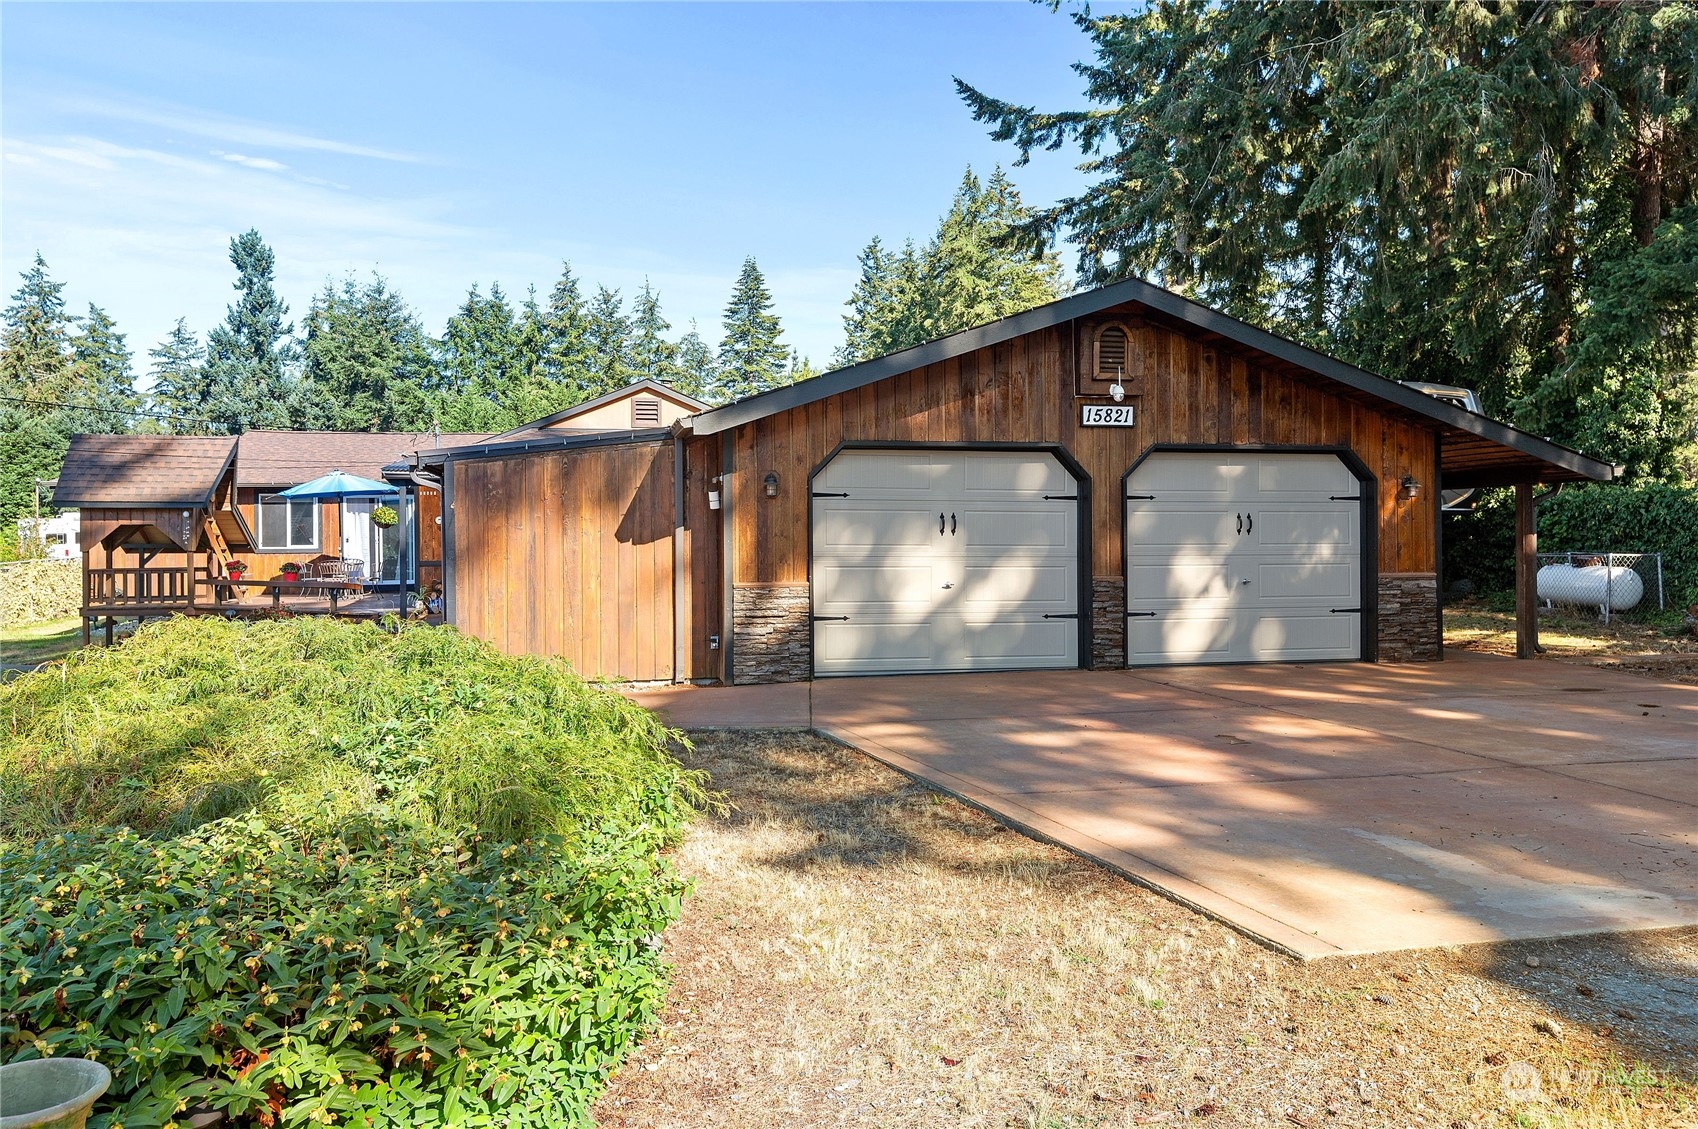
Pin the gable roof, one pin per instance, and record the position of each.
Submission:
(289, 458)
(559, 419)
(1477, 440)
(143, 470)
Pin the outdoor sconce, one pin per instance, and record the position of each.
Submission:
(771, 484)
(1411, 488)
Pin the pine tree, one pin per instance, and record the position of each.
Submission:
(367, 361)
(180, 384)
(968, 274)
(35, 345)
(751, 359)
(249, 356)
(103, 374)
(697, 368)
(480, 365)
(567, 356)
(653, 357)
(610, 345)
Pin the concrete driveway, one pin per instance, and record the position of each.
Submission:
(1325, 809)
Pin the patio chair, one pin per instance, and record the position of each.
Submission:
(346, 568)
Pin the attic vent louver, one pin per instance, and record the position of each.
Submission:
(1111, 352)
(645, 411)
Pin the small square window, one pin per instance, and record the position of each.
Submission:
(287, 524)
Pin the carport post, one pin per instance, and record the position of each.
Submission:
(1526, 572)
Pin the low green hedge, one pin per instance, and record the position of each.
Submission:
(1645, 517)
(384, 978)
(33, 591)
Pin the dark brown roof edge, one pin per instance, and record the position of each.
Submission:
(764, 404)
(202, 501)
(542, 442)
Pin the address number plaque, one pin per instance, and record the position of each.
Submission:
(1106, 415)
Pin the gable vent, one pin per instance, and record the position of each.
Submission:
(1111, 352)
(645, 410)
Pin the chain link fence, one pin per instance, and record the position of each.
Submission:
(1611, 585)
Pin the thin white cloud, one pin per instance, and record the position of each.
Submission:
(265, 164)
(235, 131)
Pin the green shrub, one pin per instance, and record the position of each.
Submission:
(376, 977)
(303, 719)
(32, 591)
(1646, 517)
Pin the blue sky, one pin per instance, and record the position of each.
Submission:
(443, 144)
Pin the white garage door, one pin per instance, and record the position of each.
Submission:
(931, 560)
(1242, 558)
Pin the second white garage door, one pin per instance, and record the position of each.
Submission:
(1242, 558)
(936, 560)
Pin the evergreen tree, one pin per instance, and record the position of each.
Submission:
(751, 359)
(367, 361)
(249, 356)
(697, 370)
(35, 345)
(1458, 193)
(480, 364)
(968, 274)
(653, 357)
(180, 384)
(567, 355)
(610, 345)
(103, 369)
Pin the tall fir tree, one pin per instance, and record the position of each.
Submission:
(367, 361)
(35, 346)
(180, 384)
(751, 358)
(967, 274)
(653, 357)
(609, 344)
(480, 364)
(249, 356)
(567, 356)
(698, 368)
(104, 375)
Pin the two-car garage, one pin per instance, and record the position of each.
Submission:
(940, 559)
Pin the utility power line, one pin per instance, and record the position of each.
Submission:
(26, 401)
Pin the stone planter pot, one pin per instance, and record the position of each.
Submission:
(50, 1093)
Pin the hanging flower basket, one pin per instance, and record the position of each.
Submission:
(384, 516)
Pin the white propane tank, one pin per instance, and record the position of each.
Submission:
(1589, 585)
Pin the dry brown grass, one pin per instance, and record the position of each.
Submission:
(1568, 636)
(861, 950)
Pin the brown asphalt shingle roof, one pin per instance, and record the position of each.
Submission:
(289, 458)
(142, 470)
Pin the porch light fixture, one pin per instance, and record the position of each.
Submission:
(771, 484)
(1411, 488)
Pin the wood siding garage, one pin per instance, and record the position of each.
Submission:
(1241, 557)
(938, 559)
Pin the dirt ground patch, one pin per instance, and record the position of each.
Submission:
(861, 950)
(1642, 648)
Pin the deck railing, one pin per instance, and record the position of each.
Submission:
(136, 587)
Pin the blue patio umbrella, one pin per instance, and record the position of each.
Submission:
(339, 484)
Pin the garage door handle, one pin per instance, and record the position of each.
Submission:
(1140, 615)
(1249, 523)
(940, 525)
(1240, 518)
(828, 618)
(952, 525)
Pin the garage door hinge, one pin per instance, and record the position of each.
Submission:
(1344, 497)
(1061, 497)
(1140, 497)
(1140, 615)
(824, 618)
(1061, 615)
(1337, 611)
(828, 494)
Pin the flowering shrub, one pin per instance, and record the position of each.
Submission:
(376, 976)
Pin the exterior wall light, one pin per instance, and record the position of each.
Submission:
(1411, 488)
(771, 484)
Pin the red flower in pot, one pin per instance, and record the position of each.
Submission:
(235, 569)
(291, 570)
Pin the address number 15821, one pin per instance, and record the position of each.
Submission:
(1105, 415)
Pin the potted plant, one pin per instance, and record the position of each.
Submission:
(291, 570)
(235, 569)
(384, 516)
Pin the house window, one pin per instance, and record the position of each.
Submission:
(287, 524)
(1111, 353)
(645, 410)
